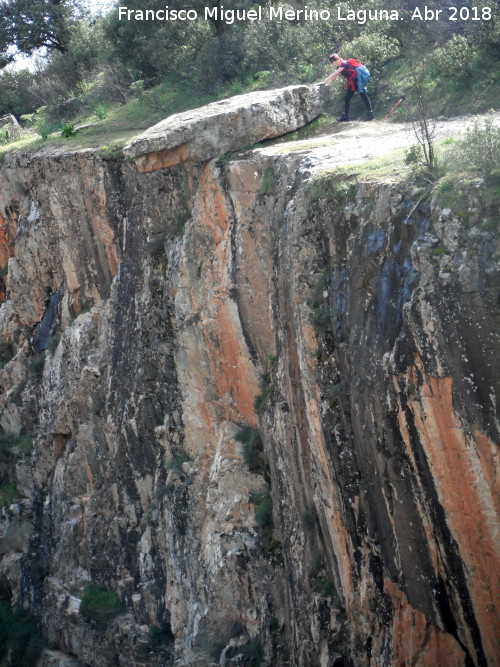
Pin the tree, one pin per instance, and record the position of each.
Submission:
(28, 25)
(159, 48)
(421, 111)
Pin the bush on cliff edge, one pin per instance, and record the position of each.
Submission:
(99, 605)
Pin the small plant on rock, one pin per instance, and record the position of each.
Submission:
(69, 131)
(320, 316)
(20, 639)
(37, 366)
(158, 640)
(8, 493)
(263, 515)
(176, 462)
(266, 388)
(479, 148)
(99, 605)
(309, 517)
(252, 448)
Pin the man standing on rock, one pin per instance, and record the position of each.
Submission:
(349, 72)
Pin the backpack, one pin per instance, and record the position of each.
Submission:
(362, 74)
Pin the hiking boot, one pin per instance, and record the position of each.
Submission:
(344, 118)
(369, 116)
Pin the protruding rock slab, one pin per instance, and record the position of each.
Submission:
(205, 133)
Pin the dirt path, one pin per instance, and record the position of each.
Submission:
(358, 141)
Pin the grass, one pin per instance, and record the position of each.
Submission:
(390, 165)
(118, 124)
(268, 182)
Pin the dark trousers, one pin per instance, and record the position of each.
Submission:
(347, 102)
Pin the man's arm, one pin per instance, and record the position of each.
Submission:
(333, 76)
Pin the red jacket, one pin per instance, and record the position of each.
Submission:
(349, 72)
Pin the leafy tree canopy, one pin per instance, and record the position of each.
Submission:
(28, 25)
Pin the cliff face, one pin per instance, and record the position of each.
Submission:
(149, 317)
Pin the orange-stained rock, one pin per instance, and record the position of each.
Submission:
(416, 641)
(464, 469)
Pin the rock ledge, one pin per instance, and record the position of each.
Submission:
(228, 125)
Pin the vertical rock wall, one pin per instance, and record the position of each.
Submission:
(148, 318)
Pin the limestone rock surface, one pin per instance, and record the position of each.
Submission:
(228, 125)
(9, 123)
(255, 402)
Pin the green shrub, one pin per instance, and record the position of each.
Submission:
(309, 517)
(320, 317)
(321, 320)
(414, 156)
(479, 149)
(321, 583)
(274, 624)
(252, 448)
(333, 391)
(176, 462)
(137, 87)
(99, 605)
(437, 252)
(37, 366)
(27, 119)
(268, 186)
(252, 652)
(20, 639)
(24, 442)
(455, 58)
(263, 509)
(39, 571)
(69, 131)
(325, 588)
(266, 389)
(316, 298)
(6, 353)
(100, 112)
(315, 567)
(17, 392)
(158, 638)
(373, 49)
(45, 127)
(8, 493)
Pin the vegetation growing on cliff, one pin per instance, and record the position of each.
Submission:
(253, 448)
(20, 640)
(8, 493)
(99, 605)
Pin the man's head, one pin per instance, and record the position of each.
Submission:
(334, 59)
